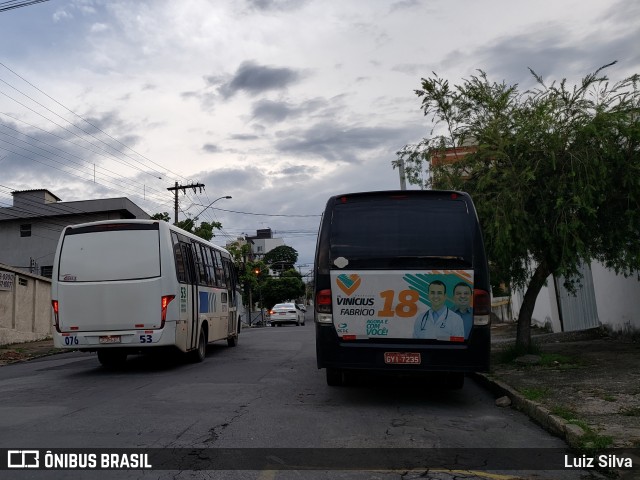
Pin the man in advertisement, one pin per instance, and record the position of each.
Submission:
(439, 322)
(462, 301)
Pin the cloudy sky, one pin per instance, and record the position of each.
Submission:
(278, 103)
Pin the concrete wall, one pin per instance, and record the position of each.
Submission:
(617, 300)
(25, 307)
(543, 312)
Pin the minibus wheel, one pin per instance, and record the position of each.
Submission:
(454, 380)
(335, 377)
(199, 354)
(112, 358)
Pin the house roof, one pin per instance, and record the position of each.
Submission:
(37, 190)
(77, 208)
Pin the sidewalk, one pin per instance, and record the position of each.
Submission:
(583, 387)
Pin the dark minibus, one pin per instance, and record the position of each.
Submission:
(401, 286)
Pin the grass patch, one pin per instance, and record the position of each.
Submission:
(535, 394)
(564, 413)
(631, 412)
(591, 442)
(555, 360)
(509, 354)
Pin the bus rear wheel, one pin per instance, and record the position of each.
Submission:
(198, 355)
(454, 381)
(112, 358)
(335, 377)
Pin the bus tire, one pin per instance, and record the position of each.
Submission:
(335, 377)
(233, 340)
(198, 355)
(454, 381)
(112, 358)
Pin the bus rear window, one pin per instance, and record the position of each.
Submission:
(395, 229)
(107, 254)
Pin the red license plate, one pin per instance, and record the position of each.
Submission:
(402, 358)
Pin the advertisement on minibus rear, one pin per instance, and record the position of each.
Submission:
(432, 304)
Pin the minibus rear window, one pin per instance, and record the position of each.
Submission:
(119, 252)
(421, 228)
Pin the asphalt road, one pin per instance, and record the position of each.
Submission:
(264, 393)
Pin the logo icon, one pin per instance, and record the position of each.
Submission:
(348, 283)
(23, 458)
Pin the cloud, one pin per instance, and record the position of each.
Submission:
(404, 5)
(300, 171)
(243, 137)
(277, 111)
(553, 53)
(340, 143)
(276, 5)
(255, 79)
(210, 148)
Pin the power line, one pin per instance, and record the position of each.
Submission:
(10, 5)
(87, 122)
(264, 214)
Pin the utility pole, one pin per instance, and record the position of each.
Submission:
(177, 187)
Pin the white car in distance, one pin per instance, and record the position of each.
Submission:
(283, 313)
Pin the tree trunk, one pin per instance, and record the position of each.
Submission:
(523, 336)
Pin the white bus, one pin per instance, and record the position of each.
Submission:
(127, 286)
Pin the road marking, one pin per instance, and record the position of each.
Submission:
(271, 474)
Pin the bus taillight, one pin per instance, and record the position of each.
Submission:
(323, 301)
(166, 299)
(324, 307)
(56, 320)
(481, 307)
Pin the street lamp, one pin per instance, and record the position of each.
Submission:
(205, 208)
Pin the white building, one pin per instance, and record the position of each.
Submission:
(604, 298)
(263, 242)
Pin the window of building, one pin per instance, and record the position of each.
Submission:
(25, 230)
(46, 271)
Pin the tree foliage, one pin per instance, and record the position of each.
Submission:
(281, 258)
(288, 286)
(555, 173)
(204, 230)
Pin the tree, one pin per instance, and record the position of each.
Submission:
(162, 216)
(280, 289)
(555, 173)
(204, 230)
(281, 258)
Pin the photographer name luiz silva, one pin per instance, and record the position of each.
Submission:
(601, 461)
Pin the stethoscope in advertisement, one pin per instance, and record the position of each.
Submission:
(423, 322)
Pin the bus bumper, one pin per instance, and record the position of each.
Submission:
(471, 356)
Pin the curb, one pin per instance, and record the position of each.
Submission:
(570, 433)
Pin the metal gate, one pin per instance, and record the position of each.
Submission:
(579, 311)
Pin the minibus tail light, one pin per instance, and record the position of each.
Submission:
(323, 301)
(481, 307)
(166, 299)
(324, 307)
(56, 319)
